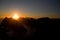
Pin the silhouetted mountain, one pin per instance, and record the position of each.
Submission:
(29, 28)
(1, 20)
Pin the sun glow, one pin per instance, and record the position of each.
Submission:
(15, 16)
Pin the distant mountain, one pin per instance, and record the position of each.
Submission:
(30, 28)
(1, 20)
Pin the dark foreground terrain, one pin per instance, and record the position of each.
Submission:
(29, 29)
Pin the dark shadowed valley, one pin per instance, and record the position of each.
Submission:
(29, 28)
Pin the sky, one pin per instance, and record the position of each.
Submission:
(30, 8)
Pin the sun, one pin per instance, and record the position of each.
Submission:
(15, 16)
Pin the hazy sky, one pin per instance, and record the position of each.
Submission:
(35, 8)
